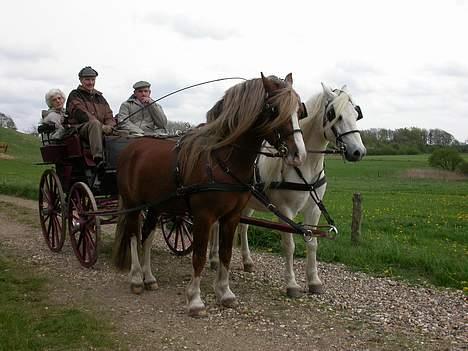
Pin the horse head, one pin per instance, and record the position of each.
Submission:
(280, 119)
(339, 123)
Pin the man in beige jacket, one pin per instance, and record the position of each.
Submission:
(146, 116)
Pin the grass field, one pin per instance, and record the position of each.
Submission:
(19, 176)
(29, 322)
(413, 228)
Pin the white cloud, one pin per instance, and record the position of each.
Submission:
(404, 62)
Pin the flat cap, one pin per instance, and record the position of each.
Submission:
(87, 71)
(141, 84)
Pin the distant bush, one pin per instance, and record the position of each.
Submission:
(463, 167)
(445, 158)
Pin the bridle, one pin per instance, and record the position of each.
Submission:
(330, 119)
(270, 112)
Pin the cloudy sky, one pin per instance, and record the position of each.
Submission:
(405, 62)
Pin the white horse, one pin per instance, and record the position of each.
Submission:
(331, 118)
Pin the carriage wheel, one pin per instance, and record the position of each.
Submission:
(177, 232)
(52, 210)
(84, 229)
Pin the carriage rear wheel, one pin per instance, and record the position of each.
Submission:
(52, 210)
(177, 232)
(84, 228)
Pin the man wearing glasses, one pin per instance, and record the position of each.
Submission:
(146, 116)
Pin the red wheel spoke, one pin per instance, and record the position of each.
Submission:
(187, 232)
(182, 241)
(51, 204)
(176, 241)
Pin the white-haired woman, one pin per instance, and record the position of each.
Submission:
(55, 115)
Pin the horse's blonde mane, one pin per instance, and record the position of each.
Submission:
(234, 115)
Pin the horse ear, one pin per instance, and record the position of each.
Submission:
(289, 79)
(327, 90)
(343, 88)
(267, 84)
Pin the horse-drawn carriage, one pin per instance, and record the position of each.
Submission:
(78, 198)
(207, 175)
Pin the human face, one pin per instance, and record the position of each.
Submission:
(88, 82)
(57, 101)
(142, 94)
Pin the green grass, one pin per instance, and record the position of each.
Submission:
(412, 228)
(29, 322)
(416, 229)
(20, 176)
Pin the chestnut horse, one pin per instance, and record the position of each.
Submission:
(205, 173)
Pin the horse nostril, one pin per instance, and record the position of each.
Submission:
(357, 154)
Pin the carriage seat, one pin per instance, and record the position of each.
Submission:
(46, 130)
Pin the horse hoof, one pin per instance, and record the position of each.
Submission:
(249, 267)
(197, 312)
(316, 289)
(214, 266)
(229, 302)
(136, 288)
(293, 292)
(151, 286)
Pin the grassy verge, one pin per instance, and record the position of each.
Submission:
(20, 175)
(29, 322)
(414, 229)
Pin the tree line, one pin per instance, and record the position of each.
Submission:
(408, 141)
(378, 141)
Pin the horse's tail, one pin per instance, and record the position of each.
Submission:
(121, 250)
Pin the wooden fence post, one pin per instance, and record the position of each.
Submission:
(357, 218)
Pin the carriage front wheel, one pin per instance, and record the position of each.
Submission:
(84, 227)
(177, 232)
(52, 210)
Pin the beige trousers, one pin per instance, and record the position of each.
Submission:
(92, 132)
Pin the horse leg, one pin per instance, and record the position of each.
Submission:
(136, 274)
(200, 231)
(245, 250)
(227, 228)
(292, 288)
(147, 237)
(314, 283)
(214, 246)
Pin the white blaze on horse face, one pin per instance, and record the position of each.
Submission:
(298, 158)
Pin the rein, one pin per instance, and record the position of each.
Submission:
(175, 92)
(308, 232)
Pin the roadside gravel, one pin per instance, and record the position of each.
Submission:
(357, 311)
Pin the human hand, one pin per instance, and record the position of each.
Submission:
(106, 129)
(147, 100)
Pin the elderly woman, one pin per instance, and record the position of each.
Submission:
(55, 115)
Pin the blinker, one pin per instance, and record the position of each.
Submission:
(303, 111)
(358, 110)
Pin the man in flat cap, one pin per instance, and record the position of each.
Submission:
(90, 113)
(146, 116)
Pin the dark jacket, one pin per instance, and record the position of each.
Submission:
(83, 106)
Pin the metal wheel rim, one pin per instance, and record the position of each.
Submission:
(177, 232)
(84, 232)
(52, 214)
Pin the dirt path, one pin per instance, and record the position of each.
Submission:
(357, 312)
